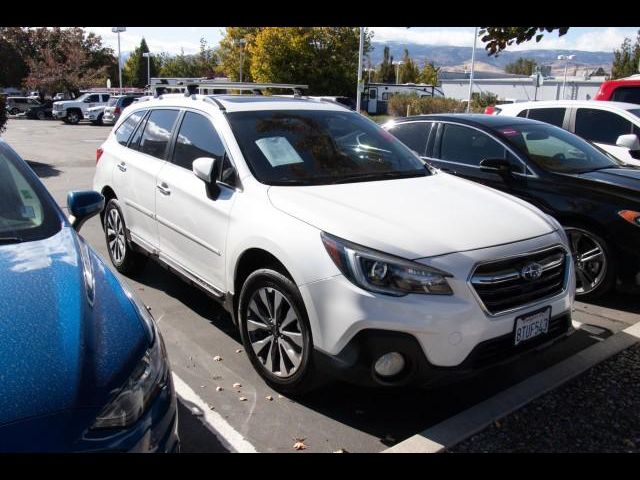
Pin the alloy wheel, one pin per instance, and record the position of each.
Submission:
(590, 260)
(115, 236)
(274, 332)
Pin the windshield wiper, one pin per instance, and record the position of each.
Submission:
(379, 176)
(7, 240)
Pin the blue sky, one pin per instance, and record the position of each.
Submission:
(173, 39)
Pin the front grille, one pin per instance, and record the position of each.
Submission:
(502, 285)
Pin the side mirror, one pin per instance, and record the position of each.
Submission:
(495, 165)
(629, 141)
(206, 169)
(83, 205)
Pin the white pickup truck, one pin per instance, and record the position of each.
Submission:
(72, 111)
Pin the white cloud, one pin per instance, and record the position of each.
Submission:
(130, 40)
(440, 36)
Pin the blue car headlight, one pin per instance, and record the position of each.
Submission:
(149, 377)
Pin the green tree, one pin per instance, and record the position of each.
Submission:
(325, 58)
(429, 74)
(386, 72)
(135, 68)
(498, 39)
(408, 70)
(626, 60)
(231, 49)
(522, 66)
(180, 66)
(479, 101)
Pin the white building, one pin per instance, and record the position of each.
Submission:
(523, 88)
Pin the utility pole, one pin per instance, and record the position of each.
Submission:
(473, 64)
(148, 55)
(360, 55)
(118, 30)
(242, 43)
(566, 59)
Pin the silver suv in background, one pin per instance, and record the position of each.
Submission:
(116, 105)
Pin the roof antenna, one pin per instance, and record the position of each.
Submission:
(192, 89)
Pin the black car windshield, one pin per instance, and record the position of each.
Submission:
(557, 150)
(320, 147)
(25, 212)
(635, 111)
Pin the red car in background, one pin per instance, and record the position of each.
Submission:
(621, 90)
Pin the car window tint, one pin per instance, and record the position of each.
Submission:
(554, 116)
(626, 94)
(601, 126)
(127, 101)
(93, 98)
(523, 113)
(414, 135)
(196, 138)
(467, 145)
(157, 132)
(127, 127)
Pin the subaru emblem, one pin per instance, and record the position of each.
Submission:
(531, 271)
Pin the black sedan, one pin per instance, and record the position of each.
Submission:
(41, 111)
(593, 195)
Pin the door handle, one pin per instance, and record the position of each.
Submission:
(122, 167)
(164, 189)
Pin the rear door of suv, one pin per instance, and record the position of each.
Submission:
(192, 218)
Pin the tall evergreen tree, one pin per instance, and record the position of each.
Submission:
(626, 60)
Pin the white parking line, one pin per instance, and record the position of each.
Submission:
(229, 436)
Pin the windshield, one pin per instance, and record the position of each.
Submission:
(25, 214)
(636, 112)
(320, 147)
(113, 101)
(557, 150)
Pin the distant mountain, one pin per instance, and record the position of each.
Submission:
(445, 56)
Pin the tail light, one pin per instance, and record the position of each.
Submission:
(99, 153)
(492, 110)
(116, 111)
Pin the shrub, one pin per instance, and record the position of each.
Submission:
(3, 113)
(398, 104)
(479, 101)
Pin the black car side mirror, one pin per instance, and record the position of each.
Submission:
(495, 165)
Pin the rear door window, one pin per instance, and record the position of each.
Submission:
(554, 116)
(601, 126)
(157, 132)
(126, 128)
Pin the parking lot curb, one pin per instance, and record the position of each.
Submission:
(471, 421)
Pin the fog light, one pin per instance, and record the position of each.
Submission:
(389, 364)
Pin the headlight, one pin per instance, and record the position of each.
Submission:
(147, 380)
(560, 229)
(382, 273)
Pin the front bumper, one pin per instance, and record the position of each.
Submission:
(59, 114)
(445, 329)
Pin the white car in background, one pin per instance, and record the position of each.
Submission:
(95, 114)
(72, 111)
(613, 126)
(332, 245)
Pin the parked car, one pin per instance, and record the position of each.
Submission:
(591, 193)
(16, 105)
(116, 105)
(344, 101)
(332, 245)
(84, 367)
(62, 96)
(613, 126)
(96, 114)
(72, 111)
(42, 111)
(621, 90)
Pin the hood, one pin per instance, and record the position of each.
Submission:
(61, 351)
(626, 177)
(414, 217)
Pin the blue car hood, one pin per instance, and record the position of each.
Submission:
(60, 351)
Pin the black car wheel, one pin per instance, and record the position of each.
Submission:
(123, 256)
(41, 115)
(99, 120)
(275, 331)
(14, 111)
(594, 262)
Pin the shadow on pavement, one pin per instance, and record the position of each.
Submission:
(194, 436)
(626, 301)
(44, 170)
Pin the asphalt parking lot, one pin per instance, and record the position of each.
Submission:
(252, 416)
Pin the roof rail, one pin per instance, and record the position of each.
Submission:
(191, 85)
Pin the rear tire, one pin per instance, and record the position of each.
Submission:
(126, 260)
(14, 111)
(41, 115)
(99, 120)
(276, 333)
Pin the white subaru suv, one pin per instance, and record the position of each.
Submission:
(332, 245)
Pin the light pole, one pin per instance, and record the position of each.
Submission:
(360, 57)
(242, 43)
(473, 63)
(148, 55)
(566, 59)
(118, 30)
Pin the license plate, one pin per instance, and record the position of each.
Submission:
(531, 325)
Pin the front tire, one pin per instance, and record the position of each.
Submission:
(595, 262)
(41, 115)
(275, 331)
(126, 260)
(73, 117)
